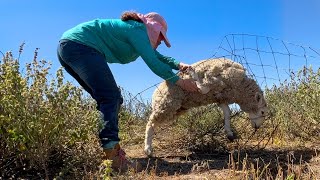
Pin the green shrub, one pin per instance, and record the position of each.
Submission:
(201, 129)
(295, 112)
(43, 120)
(49, 127)
(133, 116)
(295, 105)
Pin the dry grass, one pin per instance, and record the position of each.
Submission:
(234, 162)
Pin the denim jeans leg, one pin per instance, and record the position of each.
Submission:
(90, 68)
(75, 76)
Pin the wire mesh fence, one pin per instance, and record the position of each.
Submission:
(267, 60)
(278, 69)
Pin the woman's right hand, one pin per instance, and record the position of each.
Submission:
(188, 85)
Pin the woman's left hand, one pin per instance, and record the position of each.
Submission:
(183, 66)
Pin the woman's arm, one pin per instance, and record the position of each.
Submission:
(174, 64)
(141, 43)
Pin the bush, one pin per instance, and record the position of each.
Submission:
(295, 113)
(48, 126)
(42, 122)
(295, 105)
(201, 129)
(133, 116)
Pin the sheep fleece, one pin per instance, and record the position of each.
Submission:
(226, 79)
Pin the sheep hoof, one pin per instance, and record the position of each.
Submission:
(148, 152)
(231, 138)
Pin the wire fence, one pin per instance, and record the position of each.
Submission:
(267, 60)
(268, 63)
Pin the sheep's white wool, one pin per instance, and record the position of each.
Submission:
(194, 75)
(219, 77)
(220, 81)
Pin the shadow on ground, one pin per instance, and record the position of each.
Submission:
(175, 164)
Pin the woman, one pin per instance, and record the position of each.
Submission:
(86, 49)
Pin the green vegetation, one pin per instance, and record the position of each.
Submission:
(296, 105)
(49, 127)
(43, 124)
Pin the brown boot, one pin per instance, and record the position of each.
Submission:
(119, 161)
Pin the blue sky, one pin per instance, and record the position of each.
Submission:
(196, 28)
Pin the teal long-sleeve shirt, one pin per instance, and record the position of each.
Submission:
(123, 42)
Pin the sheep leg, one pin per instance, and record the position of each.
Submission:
(166, 113)
(148, 138)
(226, 112)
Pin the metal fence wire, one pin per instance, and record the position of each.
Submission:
(267, 60)
(271, 63)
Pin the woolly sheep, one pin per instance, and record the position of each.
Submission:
(220, 81)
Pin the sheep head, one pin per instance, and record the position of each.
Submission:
(258, 114)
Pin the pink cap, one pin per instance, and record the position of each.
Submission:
(155, 25)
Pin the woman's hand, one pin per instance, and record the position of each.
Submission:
(188, 85)
(183, 66)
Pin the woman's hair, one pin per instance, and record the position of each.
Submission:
(130, 15)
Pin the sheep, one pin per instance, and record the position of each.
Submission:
(220, 81)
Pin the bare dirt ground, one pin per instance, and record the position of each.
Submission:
(174, 163)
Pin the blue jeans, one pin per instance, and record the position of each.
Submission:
(89, 67)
